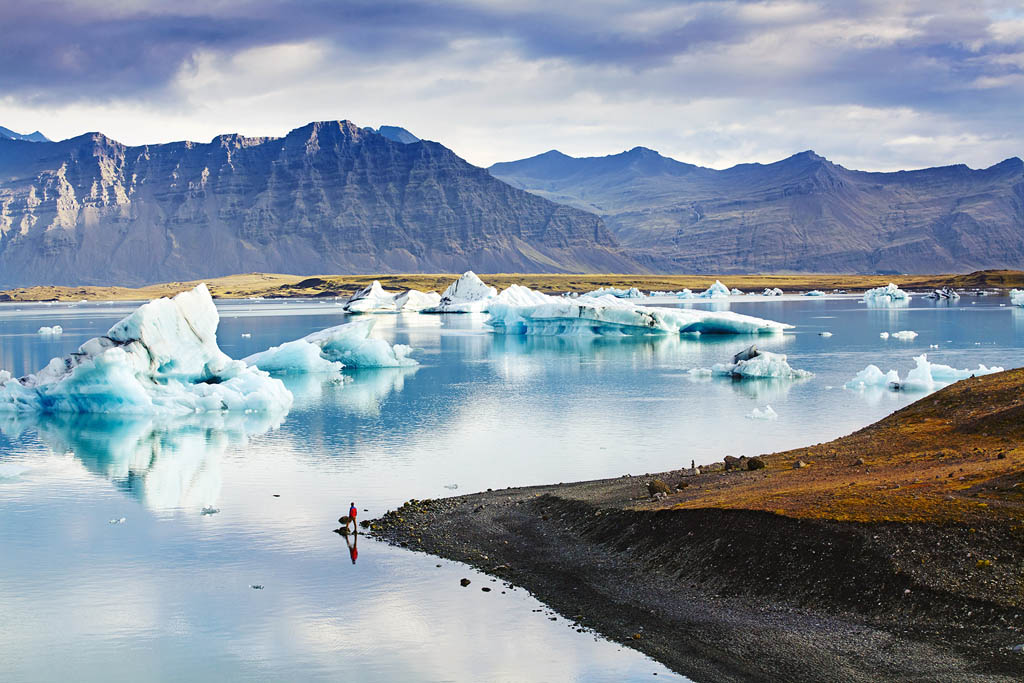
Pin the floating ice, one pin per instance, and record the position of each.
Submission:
(608, 315)
(872, 376)
(924, 377)
(883, 335)
(163, 358)
(631, 293)
(736, 292)
(681, 294)
(762, 365)
(374, 299)
(890, 295)
(209, 510)
(824, 334)
(468, 294)
(329, 350)
(118, 520)
(944, 293)
(415, 300)
(716, 291)
(54, 331)
(1017, 297)
(774, 291)
(766, 414)
(814, 292)
(904, 335)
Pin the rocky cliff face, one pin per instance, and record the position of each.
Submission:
(327, 198)
(803, 213)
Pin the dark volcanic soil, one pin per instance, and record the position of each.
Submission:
(860, 569)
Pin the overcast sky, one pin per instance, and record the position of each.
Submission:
(875, 84)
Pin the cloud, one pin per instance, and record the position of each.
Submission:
(500, 80)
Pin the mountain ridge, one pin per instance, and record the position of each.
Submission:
(803, 213)
(329, 196)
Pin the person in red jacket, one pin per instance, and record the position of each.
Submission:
(352, 512)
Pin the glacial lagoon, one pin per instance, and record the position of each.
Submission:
(131, 546)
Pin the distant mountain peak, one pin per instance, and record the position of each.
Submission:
(397, 134)
(31, 137)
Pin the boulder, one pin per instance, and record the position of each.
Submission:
(755, 464)
(657, 486)
(799, 464)
(732, 462)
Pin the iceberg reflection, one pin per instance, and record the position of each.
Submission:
(165, 463)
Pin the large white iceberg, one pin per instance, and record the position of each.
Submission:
(329, 350)
(163, 358)
(890, 295)
(924, 377)
(608, 315)
(375, 299)
(468, 294)
(1017, 297)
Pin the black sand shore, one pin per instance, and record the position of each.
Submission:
(730, 595)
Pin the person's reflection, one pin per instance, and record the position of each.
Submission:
(352, 541)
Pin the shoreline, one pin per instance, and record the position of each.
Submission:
(892, 568)
(274, 285)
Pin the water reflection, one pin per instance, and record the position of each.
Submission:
(165, 463)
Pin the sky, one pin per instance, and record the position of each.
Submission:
(875, 85)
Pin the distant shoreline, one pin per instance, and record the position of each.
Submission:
(273, 285)
(893, 553)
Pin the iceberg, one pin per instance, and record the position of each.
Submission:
(608, 315)
(375, 299)
(736, 292)
(415, 300)
(759, 365)
(468, 294)
(774, 291)
(1017, 297)
(330, 350)
(872, 376)
(814, 292)
(631, 293)
(883, 335)
(924, 377)
(766, 414)
(904, 335)
(54, 331)
(947, 293)
(716, 291)
(890, 295)
(161, 359)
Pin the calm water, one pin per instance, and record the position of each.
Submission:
(166, 595)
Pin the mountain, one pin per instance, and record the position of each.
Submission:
(398, 134)
(7, 133)
(329, 197)
(803, 213)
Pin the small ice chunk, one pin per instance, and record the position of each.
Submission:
(209, 510)
(631, 293)
(766, 414)
(736, 292)
(774, 291)
(883, 335)
(824, 334)
(699, 372)
(119, 520)
(246, 335)
(904, 335)
(814, 292)
(54, 331)
(947, 293)
(716, 291)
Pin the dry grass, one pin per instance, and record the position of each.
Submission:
(955, 456)
(278, 285)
